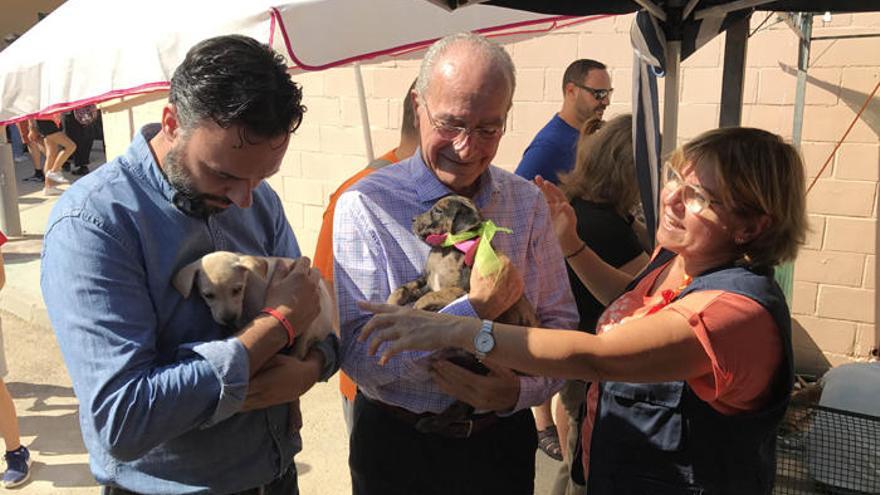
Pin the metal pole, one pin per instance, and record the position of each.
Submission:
(785, 272)
(805, 23)
(736, 42)
(10, 224)
(670, 97)
(365, 116)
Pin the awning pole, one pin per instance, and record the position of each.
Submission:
(804, 27)
(804, 41)
(10, 223)
(736, 40)
(670, 98)
(365, 117)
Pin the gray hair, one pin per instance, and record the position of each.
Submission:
(495, 53)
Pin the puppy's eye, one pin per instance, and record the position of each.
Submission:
(236, 291)
(208, 295)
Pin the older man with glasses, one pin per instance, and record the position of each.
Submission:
(586, 93)
(461, 100)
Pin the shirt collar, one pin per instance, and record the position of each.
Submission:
(429, 189)
(145, 164)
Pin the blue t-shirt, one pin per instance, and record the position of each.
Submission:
(552, 151)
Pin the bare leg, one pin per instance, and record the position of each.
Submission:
(562, 428)
(51, 155)
(543, 415)
(56, 158)
(548, 438)
(36, 155)
(53, 142)
(8, 419)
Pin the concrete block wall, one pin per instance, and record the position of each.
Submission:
(833, 300)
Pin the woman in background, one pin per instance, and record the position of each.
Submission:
(603, 191)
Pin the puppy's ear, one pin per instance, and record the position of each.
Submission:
(185, 279)
(256, 265)
(465, 216)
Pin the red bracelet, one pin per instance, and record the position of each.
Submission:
(291, 333)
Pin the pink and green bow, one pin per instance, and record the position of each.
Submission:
(477, 253)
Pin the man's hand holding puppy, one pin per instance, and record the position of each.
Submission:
(277, 378)
(294, 284)
(490, 296)
(494, 294)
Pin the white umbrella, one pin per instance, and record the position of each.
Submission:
(123, 48)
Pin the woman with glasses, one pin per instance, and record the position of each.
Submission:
(692, 360)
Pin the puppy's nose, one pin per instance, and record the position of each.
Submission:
(229, 320)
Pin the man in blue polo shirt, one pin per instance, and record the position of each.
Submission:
(586, 92)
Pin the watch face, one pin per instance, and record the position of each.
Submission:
(484, 342)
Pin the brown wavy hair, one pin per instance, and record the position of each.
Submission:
(758, 174)
(604, 170)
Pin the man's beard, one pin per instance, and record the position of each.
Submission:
(188, 199)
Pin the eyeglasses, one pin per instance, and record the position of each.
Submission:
(599, 94)
(695, 198)
(454, 133)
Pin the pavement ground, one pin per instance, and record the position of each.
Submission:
(48, 410)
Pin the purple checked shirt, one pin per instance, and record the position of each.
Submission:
(375, 252)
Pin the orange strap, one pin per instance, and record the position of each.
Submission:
(845, 134)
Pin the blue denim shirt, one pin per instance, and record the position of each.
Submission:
(160, 384)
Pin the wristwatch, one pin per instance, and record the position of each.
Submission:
(484, 341)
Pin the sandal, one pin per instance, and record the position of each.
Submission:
(548, 442)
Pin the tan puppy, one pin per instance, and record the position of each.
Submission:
(234, 286)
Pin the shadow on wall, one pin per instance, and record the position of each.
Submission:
(852, 98)
(808, 356)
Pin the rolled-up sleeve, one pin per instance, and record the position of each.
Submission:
(225, 358)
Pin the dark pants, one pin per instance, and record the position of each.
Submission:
(285, 485)
(388, 456)
(82, 135)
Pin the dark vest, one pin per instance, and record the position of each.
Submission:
(661, 439)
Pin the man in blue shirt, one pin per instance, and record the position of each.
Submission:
(586, 92)
(170, 401)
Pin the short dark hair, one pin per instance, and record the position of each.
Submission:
(236, 80)
(578, 70)
(408, 122)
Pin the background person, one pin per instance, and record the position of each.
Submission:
(602, 190)
(53, 139)
(80, 125)
(409, 141)
(31, 138)
(694, 361)
(553, 151)
(17, 456)
(586, 93)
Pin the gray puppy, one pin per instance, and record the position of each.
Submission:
(446, 278)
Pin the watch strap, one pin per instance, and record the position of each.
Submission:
(485, 328)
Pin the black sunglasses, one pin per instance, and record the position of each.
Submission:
(599, 94)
